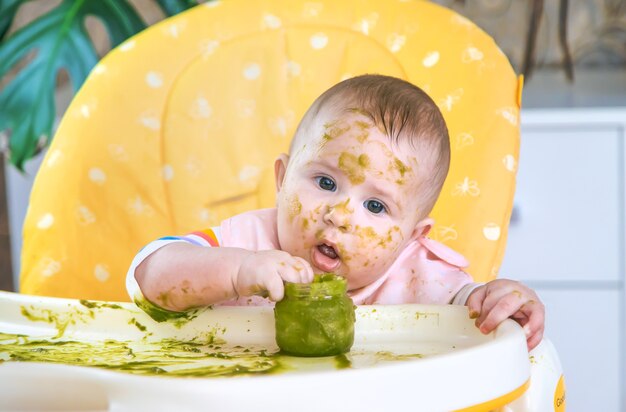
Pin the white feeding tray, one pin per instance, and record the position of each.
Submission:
(418, 357)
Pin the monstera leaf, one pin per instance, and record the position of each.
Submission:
(56, 41)
(8, 8)
(172, 7)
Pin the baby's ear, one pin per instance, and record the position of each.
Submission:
(280, 167)
(422, 228)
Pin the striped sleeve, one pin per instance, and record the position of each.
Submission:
(206, 238)
(463, 294)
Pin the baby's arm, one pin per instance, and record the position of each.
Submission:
(180, 275)
(500, 299)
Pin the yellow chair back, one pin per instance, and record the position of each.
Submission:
(177, 129)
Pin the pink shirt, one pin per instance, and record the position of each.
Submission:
(426, 271)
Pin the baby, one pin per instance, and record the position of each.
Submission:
(364, 170)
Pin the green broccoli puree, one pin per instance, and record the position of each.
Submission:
(315, 319)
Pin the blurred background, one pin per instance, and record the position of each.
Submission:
(573, 55)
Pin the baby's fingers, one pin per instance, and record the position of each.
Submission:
(534, 340)
(304, 269)
(295, 271)
(508, 305)
(275, 287)
(475, 301)
(533, 328)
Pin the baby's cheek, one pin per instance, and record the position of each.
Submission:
(376, 249)
(291, 234)
(366, 249)
(313, 215)
(294, 206)
(379, 258)
(394, 238)
(307, 223)
(366, 238)
(370, 238)
(366, 268)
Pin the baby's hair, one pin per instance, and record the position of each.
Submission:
(400, 109)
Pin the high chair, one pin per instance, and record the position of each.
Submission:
(178, 127)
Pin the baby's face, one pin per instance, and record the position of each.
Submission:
(349, 200)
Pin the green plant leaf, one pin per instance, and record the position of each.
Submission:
(58, 40)
(172, 7)
(8, 8)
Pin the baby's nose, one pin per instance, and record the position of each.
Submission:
(340, 215)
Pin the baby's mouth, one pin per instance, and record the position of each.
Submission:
(325, 257)
(327, 250)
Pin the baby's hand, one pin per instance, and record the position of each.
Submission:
(264, 272)
(500, 299)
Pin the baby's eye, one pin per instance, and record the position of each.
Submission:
(326, 183)
(374, 206)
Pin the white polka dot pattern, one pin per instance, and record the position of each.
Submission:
(319, 41)
(45, 222)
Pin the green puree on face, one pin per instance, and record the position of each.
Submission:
(315, 319)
